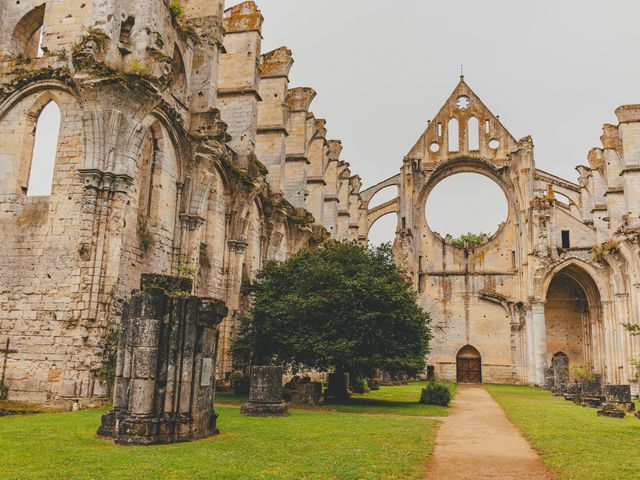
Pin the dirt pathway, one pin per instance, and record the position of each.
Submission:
(477, 441)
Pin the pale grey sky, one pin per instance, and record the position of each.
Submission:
(552, 69)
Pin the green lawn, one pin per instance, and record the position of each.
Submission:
(572, 440)
(395, 400)
(310, 444)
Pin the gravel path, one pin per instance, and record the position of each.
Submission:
(477, 441)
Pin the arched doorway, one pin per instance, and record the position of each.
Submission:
(572, 312)
(469, 365)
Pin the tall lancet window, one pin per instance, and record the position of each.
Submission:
(45, 148)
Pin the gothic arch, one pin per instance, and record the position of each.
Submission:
(24, 38)
(574, 317)
(21, 112)
(581, 270)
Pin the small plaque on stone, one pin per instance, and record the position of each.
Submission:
(207, 370)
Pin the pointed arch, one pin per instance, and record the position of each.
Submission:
(178, 74)
(26, 37)
(469, 365)
(45, 149)
(574, 317)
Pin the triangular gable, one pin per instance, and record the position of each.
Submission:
(493, 142)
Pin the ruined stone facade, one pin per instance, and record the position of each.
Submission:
(561, 276)
(181, 150)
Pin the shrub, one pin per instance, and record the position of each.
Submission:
(469, 240)
(436, 393)
(176, 9)
(360, 385)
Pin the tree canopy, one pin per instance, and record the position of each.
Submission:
(339, 306)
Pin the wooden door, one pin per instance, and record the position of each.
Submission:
(469, 370)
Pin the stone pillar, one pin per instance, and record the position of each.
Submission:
(273, 113)
(265, 394)
(629, 131)
(165, 370)
(539, 344)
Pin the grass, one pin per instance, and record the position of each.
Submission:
(306, 445)
(394, 400)
(572, 440)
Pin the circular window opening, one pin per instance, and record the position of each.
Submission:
(466, 203)
(462, 102)
(434, 147)
(494, 143)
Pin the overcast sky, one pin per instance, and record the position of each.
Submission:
(552, 69)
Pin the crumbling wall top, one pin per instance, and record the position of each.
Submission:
(244, 17)
(276, 63)
(299, 99)
(628, 113)
(335, 149)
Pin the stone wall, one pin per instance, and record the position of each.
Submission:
(174, 158)
(559, 275)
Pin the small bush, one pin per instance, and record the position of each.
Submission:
(436, 393)
(176, 9)
(361, 386)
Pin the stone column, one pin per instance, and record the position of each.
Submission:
(539, 344)
(165, 370)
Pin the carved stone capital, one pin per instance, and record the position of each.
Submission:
(191, 222)
(93, 178)
(238, 246)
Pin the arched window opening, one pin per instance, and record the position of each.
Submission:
(150, 149)
(178, 74)
(383, 230)
(26, 40)
(454, 135)
(125, 31)
(45, 149)
(473, 134)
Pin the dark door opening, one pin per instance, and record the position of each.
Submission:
(469, 365)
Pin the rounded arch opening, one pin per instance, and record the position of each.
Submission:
(383, 230)
(466, 202)
(383, 195)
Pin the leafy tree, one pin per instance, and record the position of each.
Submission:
(341, 307)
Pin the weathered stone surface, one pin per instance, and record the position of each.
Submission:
(618, 393)
(165, 342)
(265, 395)
(226, 179)
(185, 164)
(307, 394)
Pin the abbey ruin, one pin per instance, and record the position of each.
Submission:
(183, 150)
